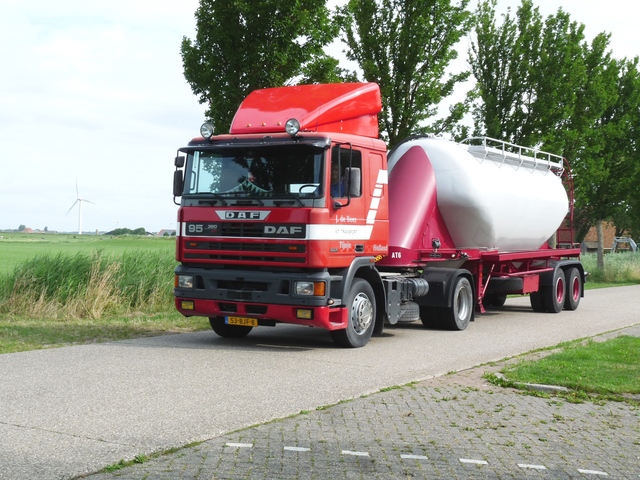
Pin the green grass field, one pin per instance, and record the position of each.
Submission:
(16, 248)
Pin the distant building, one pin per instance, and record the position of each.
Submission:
(166, 232)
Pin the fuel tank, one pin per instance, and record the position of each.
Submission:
(476, 195)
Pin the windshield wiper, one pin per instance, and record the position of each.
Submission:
(217, 197)
(279, 203)
(251, 198)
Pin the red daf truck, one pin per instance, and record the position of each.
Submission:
(299, 215)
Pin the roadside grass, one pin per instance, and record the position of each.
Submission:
(67, 290)
(605, 370)
(23, 334)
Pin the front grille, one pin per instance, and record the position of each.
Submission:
(281, 252)
(242, 258)
(239, 229)
(247, 247)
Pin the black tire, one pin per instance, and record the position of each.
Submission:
(553, 296)
(506, 285)
(228, 331)
(430, 317)
(574, 289)
(361, 303)
(460, 313)
(536, 302)
(494, 299)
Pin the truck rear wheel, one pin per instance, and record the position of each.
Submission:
(228, 331)
(361, 303)
(553, 296)
(458, 316)
(574, 289)
(430, 316)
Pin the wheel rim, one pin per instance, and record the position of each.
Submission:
(462, 303)
(575, 289)
(560, 290)
(361, 313)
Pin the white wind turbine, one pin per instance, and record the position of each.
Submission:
(79, 201)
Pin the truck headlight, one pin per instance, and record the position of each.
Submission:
(185, 281)
(316, 289)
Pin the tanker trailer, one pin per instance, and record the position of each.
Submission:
(476, 218)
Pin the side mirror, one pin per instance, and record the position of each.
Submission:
(352, 179)
(178, 183)
(179, 161)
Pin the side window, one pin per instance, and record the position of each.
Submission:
(346, 171)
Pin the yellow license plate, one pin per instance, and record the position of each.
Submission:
(243, 321)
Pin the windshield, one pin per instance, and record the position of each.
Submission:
(276, 171)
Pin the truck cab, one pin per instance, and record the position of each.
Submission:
(279, 217)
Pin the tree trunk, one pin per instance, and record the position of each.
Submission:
(600, 245)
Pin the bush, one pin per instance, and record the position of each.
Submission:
(89, 285)
(618, 268)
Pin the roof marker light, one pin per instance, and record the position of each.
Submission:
(292, 126)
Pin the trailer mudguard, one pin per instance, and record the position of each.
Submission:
(441, 284)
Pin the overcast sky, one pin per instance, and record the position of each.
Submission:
(93, 92)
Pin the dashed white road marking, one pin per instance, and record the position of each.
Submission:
(239, 445)
(535, 467)
(475, 462)
(356, 454)
(593, 472)
(414, 457)
(297, 449)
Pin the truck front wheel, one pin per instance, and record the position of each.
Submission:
(228, 331)
(361, 303)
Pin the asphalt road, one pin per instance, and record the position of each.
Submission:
(71, 411)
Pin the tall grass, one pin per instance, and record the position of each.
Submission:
(88, 285)
(619, 268)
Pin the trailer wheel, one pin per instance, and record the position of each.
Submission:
(574, 289)
(228, 331)
(553, 296)
(361, 302)
(536, 302)
(458, 316)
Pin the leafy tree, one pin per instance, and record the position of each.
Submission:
(406, 46)
(21, 228)
(244, 45)
(540, 84)
(527, 73)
